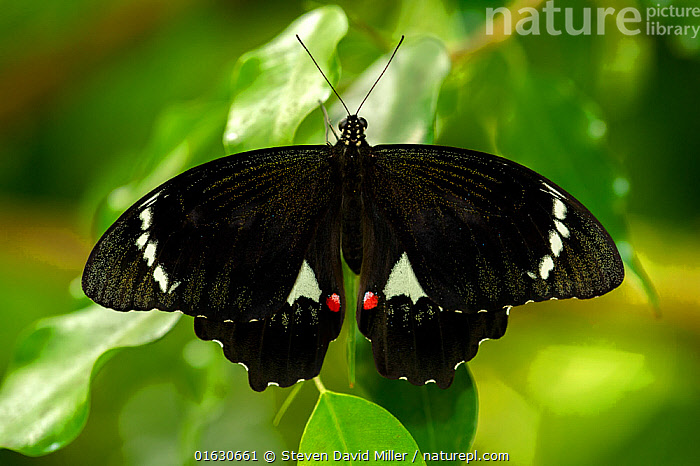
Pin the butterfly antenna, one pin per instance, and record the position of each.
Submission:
(380, 76)
(324, 76)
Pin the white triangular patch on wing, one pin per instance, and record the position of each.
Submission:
(403, 281)
(305, 285)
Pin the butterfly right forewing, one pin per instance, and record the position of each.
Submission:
(482, 231)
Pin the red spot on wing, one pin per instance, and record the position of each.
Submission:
(333, 302)
(370, 300)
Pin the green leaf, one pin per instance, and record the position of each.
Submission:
(351, 425)
(439, 420)
(44, 397)
(277, 85)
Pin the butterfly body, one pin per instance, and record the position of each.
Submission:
(445, 241)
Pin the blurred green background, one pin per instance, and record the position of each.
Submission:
(84, 86)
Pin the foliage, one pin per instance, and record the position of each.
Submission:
(43, 401)
(350, 425)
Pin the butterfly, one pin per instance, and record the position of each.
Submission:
(445, 241)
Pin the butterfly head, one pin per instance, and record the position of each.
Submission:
(353, 130)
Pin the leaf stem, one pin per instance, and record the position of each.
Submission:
(321, 388)
(352, 283)
(287, 402)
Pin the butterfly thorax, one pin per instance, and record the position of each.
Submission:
(350, 150)
(353, 131)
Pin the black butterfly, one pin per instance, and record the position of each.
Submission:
(445, 241)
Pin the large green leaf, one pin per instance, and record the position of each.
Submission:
(439, 420)
(277, 85)
(44, 397)
(345, 424)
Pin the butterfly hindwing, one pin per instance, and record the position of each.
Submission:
(412, 336)
(290, 344)
(224, 240)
